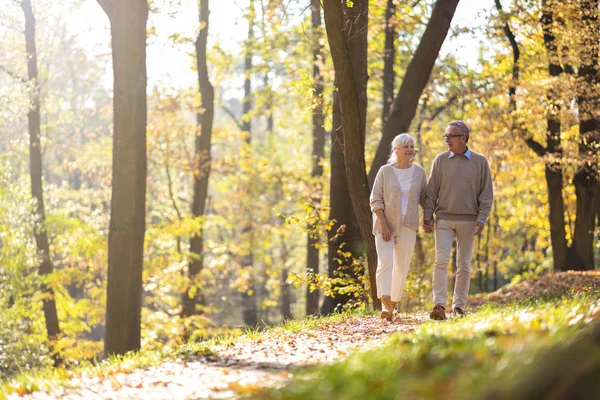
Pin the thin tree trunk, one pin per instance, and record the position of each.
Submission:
(286, 295)
(487, 250)
(453, 266)
(202, 160)
(414, 81)
(347, 34)
(581, 256)
(318, 151)
(35, 169)
(249, 300)
(389, 56)
(128, 201)
(478, 262)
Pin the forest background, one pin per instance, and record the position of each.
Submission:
(265, 244)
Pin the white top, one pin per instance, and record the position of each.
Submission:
(385, 196)
(405, 177)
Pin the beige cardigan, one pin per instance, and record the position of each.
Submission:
(386, 196)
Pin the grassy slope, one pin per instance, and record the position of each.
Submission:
(460, 358)
(480, 356)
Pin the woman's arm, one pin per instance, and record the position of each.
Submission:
(386, 232)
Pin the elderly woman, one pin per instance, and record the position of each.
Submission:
(398, 190)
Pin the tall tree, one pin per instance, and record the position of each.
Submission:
(585, 180)
(128, 200)
(346, 231)
(202, 160)
(578, 256)
(414, 81)
(318, 150)
(249, 299)
(35, 168)
(346, 28)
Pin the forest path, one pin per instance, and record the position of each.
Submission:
(240, 367)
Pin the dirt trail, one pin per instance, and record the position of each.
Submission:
(239, 368)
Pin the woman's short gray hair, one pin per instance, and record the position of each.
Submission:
(462, 127)
(398, 141)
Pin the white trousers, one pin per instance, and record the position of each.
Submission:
(444, 236)
(393, 262)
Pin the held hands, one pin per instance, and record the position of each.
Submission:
(428, 226)
(477, 228)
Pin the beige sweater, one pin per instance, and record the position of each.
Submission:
(459, 189)
(386, 196)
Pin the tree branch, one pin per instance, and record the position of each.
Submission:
(512, 87)
(233, 117)
(13, 74)
(536, 147)
(108, 7)
(441, 108)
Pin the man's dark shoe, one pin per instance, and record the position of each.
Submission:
(438, 313)
(459, 312)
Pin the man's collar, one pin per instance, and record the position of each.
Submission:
(466, 154)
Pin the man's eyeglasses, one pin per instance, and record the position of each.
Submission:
(451, 136)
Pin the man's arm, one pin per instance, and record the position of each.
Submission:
(486, 196)
(433, 190)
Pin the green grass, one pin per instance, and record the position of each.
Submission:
(50, 378)
(482, 354)
(472, 357)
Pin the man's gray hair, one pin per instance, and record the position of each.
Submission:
(462, 127)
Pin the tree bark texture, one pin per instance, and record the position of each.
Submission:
(35, 169)
(341, 209)
(318, 150)
(202, 159)
(581, 256)
(414, 81)
(347, 34)
(127, 221)
(553, 150)
(389, 56)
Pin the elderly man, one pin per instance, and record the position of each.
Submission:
(460, 193)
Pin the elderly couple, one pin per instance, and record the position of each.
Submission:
(459, 193)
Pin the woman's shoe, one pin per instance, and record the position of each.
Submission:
(387, 312)
(386, 315)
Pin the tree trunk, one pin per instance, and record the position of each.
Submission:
(554, 168)
(202, 159)
(286, 294)
(389, 56)
(249, 299)
(128, 201)
(35, 169)
(347, 34)
(553, 150)
(414, 81)
(341, 209)
(581, 256)
(318, 151)
(453, 267)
